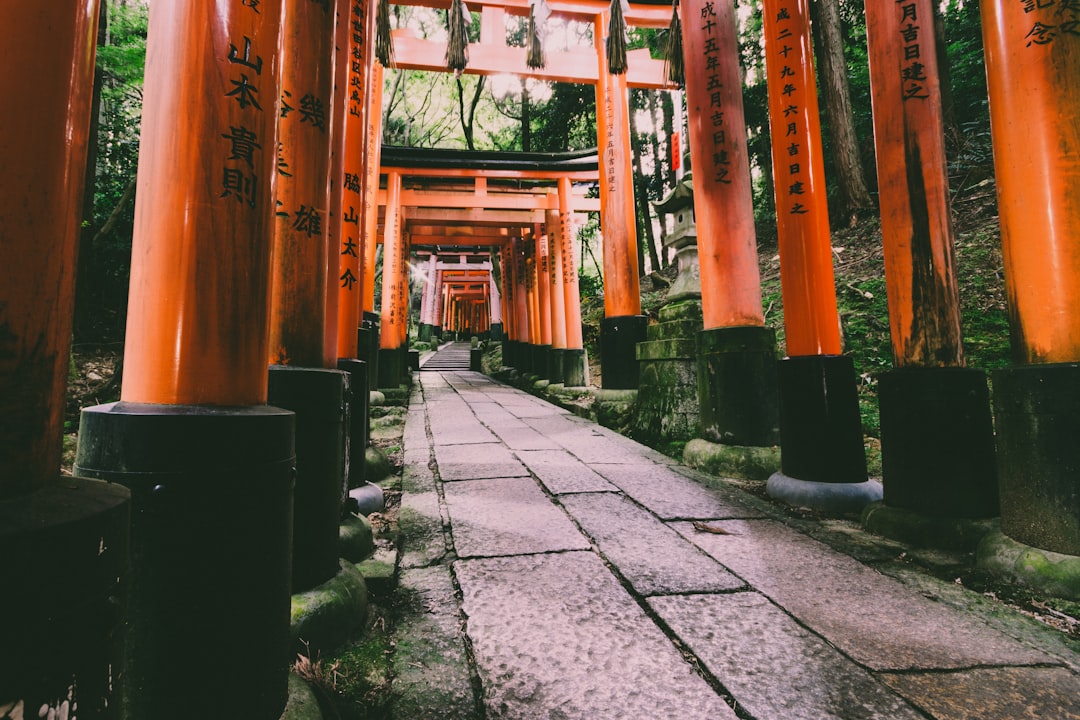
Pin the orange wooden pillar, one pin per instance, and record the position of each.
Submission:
(558, 300)
(427, 300)
(543, 287)
(523, 353)
(575, 360)
(822, 459)
(738, 401)
(368, 333)
(532, 293)
(73, 530)
(936, 430)
(506, 275)
(1032, 56)
(392, 323)
(623, 326)
(351, 272)
(209, 463)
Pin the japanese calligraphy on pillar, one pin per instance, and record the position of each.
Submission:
(351, 198)
(244, 139)
(1051, 20)
(802, 214)
(566, 233)
(916, 26)
(718, 141)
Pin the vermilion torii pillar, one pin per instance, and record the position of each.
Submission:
(61, 642)
(737, 361)
(1032, 56)
(936, 431)
(393, 324)
(495, 305)
(623, 326)
(300, 376)
(543, 287)
(368, 334)
(210, 465)
(523, 352)
(822, 460)
(575, 360)
(558, 301)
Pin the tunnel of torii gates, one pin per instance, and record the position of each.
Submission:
(230, 450)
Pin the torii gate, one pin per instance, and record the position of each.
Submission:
(473, 201)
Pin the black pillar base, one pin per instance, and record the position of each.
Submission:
(508, 353)
(368, 347)
(318, 398)
(392, 368)
(542, 366)
(413, 358)
(820, 430)
(1037, 411)
(211, 541)
(64, 550)
(937, 442)
(423, 332)
(555, 365)
(359, 417)
(619, 337)
(575, 368)
(738, 395)
(475, 359)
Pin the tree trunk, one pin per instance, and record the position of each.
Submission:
(836, 99)
(948, 105)
(661, 169)
(526, 118)
(468, 116)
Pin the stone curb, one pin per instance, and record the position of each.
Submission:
(1042, 570)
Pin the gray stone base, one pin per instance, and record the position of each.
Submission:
(923, 530)
(302, 704)
(614, 408)
(356, 541)
(369, 498)
(1044, 571)
(376, 464)
(825, 497)
(738, 461)
(325, 616)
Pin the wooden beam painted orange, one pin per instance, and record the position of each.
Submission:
(639, 15)
(811, 322)
(621, 291)
(42, 163)
(913, 186)
(391, 321)
(298, 308)
(1031, 67)
(723, 202)
(198, 317)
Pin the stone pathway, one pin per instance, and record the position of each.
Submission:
(452, 356)
(554, 569)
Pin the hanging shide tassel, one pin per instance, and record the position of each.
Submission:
(673, 60)
(539, 12)
(384, 45)
(534, 49)
(616, 42)
(457, 45)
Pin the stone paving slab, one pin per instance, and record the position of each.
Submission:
(467, 432)
(667, 493)
(774, 668)
(472, 462)
(556, 637)
(561, 472)
(595, 448)
(507, 516)
(420, 521)
(651, 556)
(431, 670)
(523, 438)
(873, 618)
(979, 694)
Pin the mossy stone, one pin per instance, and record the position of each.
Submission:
(740, 461)
(325, 616)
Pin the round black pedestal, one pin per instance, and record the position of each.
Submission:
(555, 365)
(619, 337)
(820, 429)
(1037, 410)
(64, 553)
(737, 386)
(937, 442)
(211, 541)
(392, 368)
(359, 432)
(542, 366)
(367, 344)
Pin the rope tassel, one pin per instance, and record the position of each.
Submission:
(616, 41)
(457, 26)
(384, 44)
(534, 46)
(673, 58)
